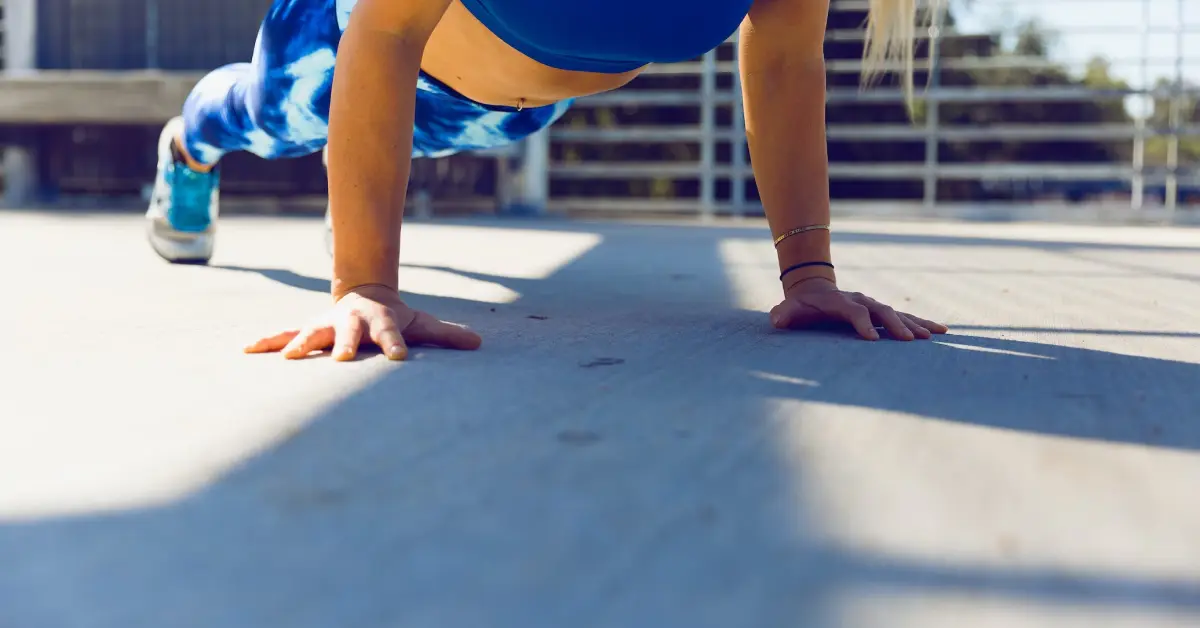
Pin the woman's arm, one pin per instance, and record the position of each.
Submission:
(370, 136)
(783, 75)
(370, 151)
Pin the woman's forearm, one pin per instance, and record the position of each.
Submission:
(370, 148)
(784, 95)
(785, 128)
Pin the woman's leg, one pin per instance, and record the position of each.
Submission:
(276, 106)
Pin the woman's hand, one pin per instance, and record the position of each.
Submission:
(369, 313)
(816, 301)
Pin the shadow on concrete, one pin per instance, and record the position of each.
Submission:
(846, 233)
(283, 276)
(654, 491)
(1145, 333)
(1179, 273)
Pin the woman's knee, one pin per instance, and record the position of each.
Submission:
(278, 104)
(291, 107)
(294, 57)
(294, 126)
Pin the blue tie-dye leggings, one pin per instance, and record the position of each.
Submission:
(277, 105)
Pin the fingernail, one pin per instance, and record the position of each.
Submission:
(396, 352)
(775, 320)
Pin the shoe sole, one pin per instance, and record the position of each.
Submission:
(186, 253)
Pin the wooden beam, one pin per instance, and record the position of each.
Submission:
(93, 97)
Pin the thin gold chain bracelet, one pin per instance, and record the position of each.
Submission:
(798, 231)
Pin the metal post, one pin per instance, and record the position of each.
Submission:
(20, 56)
(737, 143)
(1172, 196)
(422, 204)
(535, 173)
(708, 123)
(152, 35)
(1137, 198)
(932, 116)
(20, 36)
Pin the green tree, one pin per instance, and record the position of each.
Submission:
(1157, 147)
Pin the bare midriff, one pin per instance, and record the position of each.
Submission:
(465, 55)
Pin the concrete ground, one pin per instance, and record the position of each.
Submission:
(631, 447)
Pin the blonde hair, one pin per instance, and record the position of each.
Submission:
(891, 33)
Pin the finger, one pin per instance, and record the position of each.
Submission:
(858, 315)
(270, 344)
(427, 330)
(347, 336)
(889, 319)
(385, 333)
(936, 328)
(307, 341)
(916, 328)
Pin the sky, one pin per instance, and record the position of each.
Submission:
(1122, 49)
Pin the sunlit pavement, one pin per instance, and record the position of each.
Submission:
(632, 446)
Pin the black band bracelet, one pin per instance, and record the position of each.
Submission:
(803, 265)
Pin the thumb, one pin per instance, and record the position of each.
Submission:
(784, 314)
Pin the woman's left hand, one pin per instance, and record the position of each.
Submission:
(818, 301)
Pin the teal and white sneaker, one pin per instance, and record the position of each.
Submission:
(182, 219)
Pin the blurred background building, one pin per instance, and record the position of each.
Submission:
(1058, 104)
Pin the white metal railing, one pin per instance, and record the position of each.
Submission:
(722, 183)
(705, 101)
(932, 171)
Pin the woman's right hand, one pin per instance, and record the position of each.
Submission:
(368, 313)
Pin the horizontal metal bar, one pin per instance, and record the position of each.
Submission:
(858, 34)
(891, 132)
(857, 170)
(994, 94)
(1003, 62)
(632, 97)
(1036, 210)
(900, 170)
(980, 171)
(1007, 172)
(859, 96)
(633, 205)
(859, 5)
(636, 134)
(686, 68)
(631, 170)
(894, 132)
